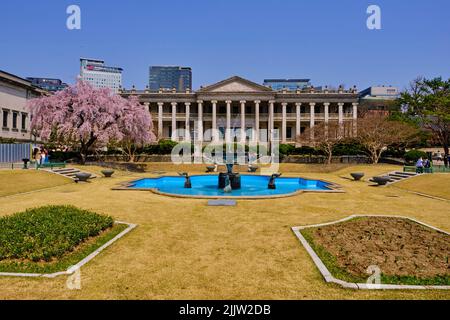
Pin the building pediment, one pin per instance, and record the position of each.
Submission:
(234, 84)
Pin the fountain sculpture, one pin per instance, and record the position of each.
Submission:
(272, 181)
(187, 182)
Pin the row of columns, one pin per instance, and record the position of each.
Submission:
(215, 137)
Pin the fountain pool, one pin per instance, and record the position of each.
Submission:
(252, 186)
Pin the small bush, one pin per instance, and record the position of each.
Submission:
(286, 149)
(305, 150)
(414, 155)
(48, 232)
(348, 149)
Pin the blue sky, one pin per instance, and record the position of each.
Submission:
(325, 40)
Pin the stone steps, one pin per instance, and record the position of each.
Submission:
(69, 172)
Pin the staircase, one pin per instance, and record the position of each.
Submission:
(397, 176)
(69, 172)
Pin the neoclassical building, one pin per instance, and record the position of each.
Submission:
(237, 103)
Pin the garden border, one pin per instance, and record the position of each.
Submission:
(330, 278)
(81, 263)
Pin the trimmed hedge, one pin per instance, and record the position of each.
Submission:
(414, 155)
(45, 233)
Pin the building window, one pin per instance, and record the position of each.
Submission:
(5, 119)
(24, 121)
(289, 133)
(14, 124)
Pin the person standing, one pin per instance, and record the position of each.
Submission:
(419, 165)
(37, 159)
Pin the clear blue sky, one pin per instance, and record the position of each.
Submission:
(325, 40)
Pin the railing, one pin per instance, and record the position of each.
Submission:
(277, 116)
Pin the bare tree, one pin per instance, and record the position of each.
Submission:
(325, 136)
(376, 133)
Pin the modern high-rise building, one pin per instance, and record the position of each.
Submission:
(100, 76)
(169, 77)
(288, 84)
(378, 100)
(51, 85)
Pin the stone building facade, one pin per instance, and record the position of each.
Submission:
(215, 112)
(14, 115)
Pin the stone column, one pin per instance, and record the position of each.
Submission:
(341, 118)
(228, 128)
(200, 121)
(271, 124)
(283, 122)
(256, 130)
(298, 126)
(355, 119)
(327, 116)
(215, 137)
(312, 120)
(341, 113)
(174, 121)
(160, 119)
(243, 131)
(187, 126)
(327, 111)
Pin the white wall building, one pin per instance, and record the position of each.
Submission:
(100, 76)
(14, 115)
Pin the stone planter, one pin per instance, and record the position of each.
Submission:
(82, 176)
(381, 181)
(357, 175)
(107, 173)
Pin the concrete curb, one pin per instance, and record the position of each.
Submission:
(77, 266)
(364, 286)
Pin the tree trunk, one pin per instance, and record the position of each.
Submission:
(83, 157)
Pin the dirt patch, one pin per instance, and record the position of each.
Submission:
(400, 247)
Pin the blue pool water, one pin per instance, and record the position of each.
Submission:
(251, 186)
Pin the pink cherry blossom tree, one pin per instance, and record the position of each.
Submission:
(131, 126)
(85, 118)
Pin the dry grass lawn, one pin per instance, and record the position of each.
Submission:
(19, 181)
(437, 185)
(183, 249)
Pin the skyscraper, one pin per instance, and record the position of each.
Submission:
(169, 77)
(100, 76)
(49, 84)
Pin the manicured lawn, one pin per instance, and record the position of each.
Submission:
(51, 238)
(184, 249)
(19, 181)
(437, 184)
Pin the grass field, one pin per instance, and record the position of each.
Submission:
(19, 181)
(437, 185)
(183, 249)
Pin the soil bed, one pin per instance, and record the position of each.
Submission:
(405, 251)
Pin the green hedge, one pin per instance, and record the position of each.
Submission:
(414, 155)
(44, 233)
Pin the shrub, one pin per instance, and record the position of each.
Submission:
(348, 149)
(61, 156)
(305, 150)
(414, 155)
(286, 149)
(48, 232)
